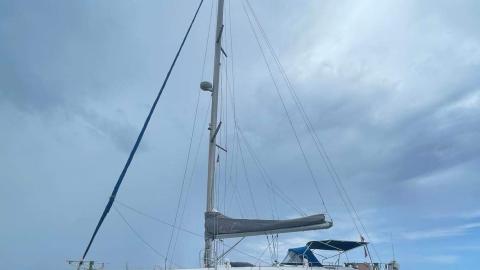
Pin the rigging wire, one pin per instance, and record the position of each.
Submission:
(184, 178)
(139, 139)
(156, 219)
(207, 40)
(230, 60)
(236, 137)
(185, 230)
(228, 86)
(307, 163)
(191, 176)
(190, 180)
(265, 176)
(238, 134)
(319, 146)
(180, 197)
(138, 234)
(273, 241)
(225, 96)
(248, 180)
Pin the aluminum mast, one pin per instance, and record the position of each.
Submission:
(208, 256)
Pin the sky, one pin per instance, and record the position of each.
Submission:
(391, 89)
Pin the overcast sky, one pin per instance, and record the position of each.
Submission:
(391, 87)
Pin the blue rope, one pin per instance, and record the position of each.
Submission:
(139, 139)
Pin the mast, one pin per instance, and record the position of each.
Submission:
(208, 256)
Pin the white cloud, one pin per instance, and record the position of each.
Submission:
(471, 214)
(442, 259)
(441, 232)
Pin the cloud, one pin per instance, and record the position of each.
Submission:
(69, 65)
(442, 259)
(392, 89)
(471, 214)
(442, 232)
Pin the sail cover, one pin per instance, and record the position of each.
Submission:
(218, 226)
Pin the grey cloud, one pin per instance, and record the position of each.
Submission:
(391, 88)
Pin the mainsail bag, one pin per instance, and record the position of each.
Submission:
(218, 226)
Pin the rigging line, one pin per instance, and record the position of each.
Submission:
(239, 202)
(299, 106)
(307, 163)
(289, 85)
(259, 259)
(233, 182)
(309, 125)
(184, 178)
(228, 116)
(137, 234)
(233, 172)
(233, 176)
(218, 172)
(232, 179)
(201, 136)
(232, 69)
(265, 176)
(248, 181)
(271, 248)
(225, 94)
(236, 135)
(236, 165)
(187, 162)
(297, 102)
(230, 249)
(354, 209)
(320, 148)
(183, 229)
(191, 175)
(263, 172)
(302, 112)
(261, 255)
(233, 154)
(139, 138)
(232, 89)
(238, 197)
(208, 38)
(266, 180)
(286, 111)
(156, 219)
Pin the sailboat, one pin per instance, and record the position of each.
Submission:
(218, 226)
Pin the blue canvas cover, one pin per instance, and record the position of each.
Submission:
(335, 245)
(296, 255)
